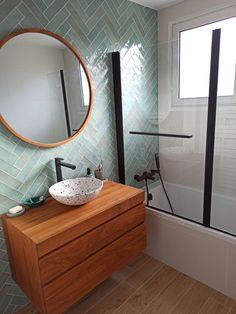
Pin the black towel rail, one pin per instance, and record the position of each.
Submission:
(162, 134)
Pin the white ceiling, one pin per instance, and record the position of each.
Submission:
(157, 4)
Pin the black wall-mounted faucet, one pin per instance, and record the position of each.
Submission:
(59, 163)
(145, 176)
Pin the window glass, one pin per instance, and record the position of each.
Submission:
(195, 55)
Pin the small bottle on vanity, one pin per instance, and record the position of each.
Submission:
(99, 173)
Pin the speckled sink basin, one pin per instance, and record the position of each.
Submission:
(76, 191)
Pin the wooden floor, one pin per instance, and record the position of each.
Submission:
(149, 286)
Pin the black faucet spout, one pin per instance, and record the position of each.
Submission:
(59, 163)
(65, 164)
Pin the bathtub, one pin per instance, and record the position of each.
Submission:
(202, 253)
(188, 203)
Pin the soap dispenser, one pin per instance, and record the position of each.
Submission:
(89, 173)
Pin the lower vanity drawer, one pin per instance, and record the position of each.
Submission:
(73, 253)
(77, 282)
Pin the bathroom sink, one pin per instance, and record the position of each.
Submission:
(76, 191)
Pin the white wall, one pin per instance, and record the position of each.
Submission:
(187, 10)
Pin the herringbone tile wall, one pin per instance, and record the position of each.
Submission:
(96, 28)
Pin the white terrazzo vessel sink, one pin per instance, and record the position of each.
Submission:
(76, 191)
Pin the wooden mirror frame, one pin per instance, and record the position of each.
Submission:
(75, 52)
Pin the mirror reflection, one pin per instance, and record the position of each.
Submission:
(45, 92)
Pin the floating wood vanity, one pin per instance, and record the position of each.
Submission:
(59, 253)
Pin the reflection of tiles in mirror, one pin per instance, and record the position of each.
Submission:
(95, 28)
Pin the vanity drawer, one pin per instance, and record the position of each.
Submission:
(74, 284)
(73, 253)
(52, 233)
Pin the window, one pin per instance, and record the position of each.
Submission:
(85, 88)
(191, 55)
(195, 57)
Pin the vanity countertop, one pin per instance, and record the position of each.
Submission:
(52, 220)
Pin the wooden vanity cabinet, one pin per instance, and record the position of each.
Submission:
(59, 253)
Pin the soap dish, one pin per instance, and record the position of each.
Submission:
(34, 201)
(19, 213)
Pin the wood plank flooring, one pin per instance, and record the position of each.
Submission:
(147, 286)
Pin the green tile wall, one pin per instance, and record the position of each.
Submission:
(96, 28)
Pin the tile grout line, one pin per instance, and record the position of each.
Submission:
(109, 292)
(206, 301)
(184, 294)
(155, 298)
(32, 12)
(159, 269)
(127, 304)
(64, 6)
(15, 8)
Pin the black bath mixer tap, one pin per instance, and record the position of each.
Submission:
(145, 176)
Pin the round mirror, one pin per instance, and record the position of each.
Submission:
(45, 88)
